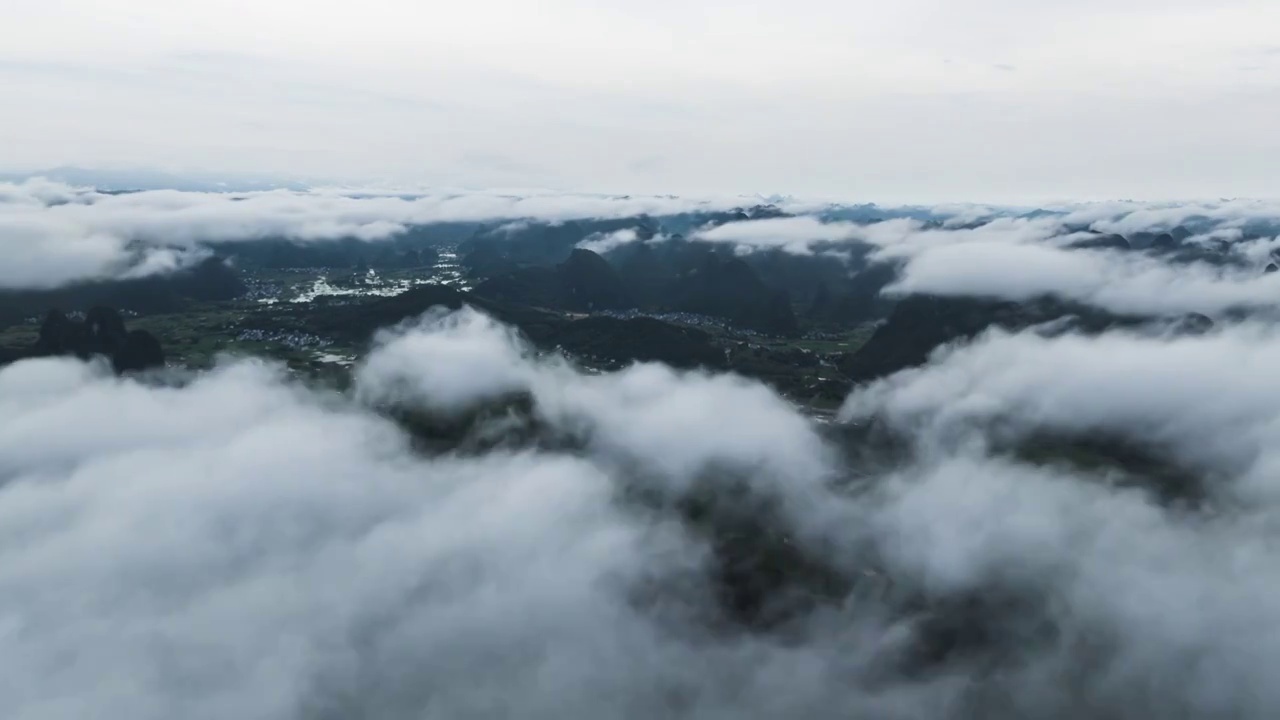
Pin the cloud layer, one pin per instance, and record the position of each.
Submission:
(51, 234)
(239, 544)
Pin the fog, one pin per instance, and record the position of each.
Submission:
(239, 543)
(1173, 391)
(52, 234)
(1120, 282)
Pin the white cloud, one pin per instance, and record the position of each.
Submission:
(52, 234)
(243, 545)
(1116, 281)
(451, 363)
(240, 545)
(1127, 218)
(603, 243)
(793, 234)
(1019, 259)
(445, 362)
(1173, 391)
(1155, 586)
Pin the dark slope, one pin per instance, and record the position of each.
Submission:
(730, 289)
(921, 323)
(584, 282)
(102, 332)
(209, 281)
(609, 341)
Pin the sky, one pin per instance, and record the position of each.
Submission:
(911, 101)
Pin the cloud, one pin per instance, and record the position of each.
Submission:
(235, 578)
(1117, 281)
(451, 363)
(445, 362)
(604, 242)
(241, 544)
(796, 235)
(1142, 597)
(1157, 592)
(1019, 259)
(52, 234)
(1171, 391)
(1126, 218)
(41, 252)
(919, 225)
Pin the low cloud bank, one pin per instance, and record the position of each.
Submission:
(242, 545)
(1117, 281)
(798, 235)
(1209, 399)
(604, 242)
(1021, 258)
(52, 234)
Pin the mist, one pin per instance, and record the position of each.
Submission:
(238, 542)
(53, 234)
(1121, 283)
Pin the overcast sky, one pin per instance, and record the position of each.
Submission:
(911, 100)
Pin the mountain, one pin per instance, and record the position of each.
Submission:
(1101, 242)
(539, 243)
(101, 332)
(606, 340)
(920, 324)
(211, 280)
(400, 252)
(854, 300)
(730, 289)
(584, 282)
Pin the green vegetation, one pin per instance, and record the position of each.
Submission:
(324, 334)
(23, 335)
(196, 337)
(848, 341)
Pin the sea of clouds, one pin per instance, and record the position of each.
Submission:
(239, 544)
(53, 234)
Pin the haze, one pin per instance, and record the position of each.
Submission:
(916, 101)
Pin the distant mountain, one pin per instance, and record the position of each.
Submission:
(920, 324)
(608, 340)
(582, 283)
(101, 332)
(853, 300)
(540, 243)
(1099, 241)
(731, 289)
(208, 281)
(400, 252)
